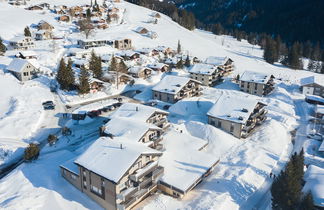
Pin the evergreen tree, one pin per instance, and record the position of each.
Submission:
(179, 47)
(65, 76)
(88, 14)
(113, 64)
(311, 65)
(84, 86)
(2, 47)
(187, 62)
(270, 51)
(95, 65)
(294, 59)
(122, 67)
(307, 202)
(27, 32)
(31, 152)
(180, 64)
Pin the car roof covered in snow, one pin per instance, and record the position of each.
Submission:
(256, 77)
(233, 108)
(112, 158)
(312, 80)
(138, 111)
(129, 128)
(201, 68)
(172, 84)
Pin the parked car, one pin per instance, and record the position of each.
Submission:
(315, 136)
(49, 107)
(48, 103)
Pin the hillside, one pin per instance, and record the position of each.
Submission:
(293, 20)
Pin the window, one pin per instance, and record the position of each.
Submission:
(73, 177)
(85, 184)
(219, 124)
(232, 128)
(96, 190)
(212, 122)
(255, 86)
(26, 74)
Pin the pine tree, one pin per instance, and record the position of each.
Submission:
(84, 86)
(187, 62)
(95, 65)
(31, 152)
(88, 14)
(311, 65)
(27, 32)
(2, 47)
(65, 76)
(270, 51)
(113, 64)
(307, 202)
(179, 47)
(180, 64)
(294, 59)
(122, 67)
(70, 75)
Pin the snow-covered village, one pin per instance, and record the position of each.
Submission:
(113, 105)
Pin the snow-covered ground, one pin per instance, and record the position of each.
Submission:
(244, 164)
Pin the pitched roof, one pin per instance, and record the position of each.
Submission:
(213, 60)
(312, 80)
(17, 64)
(201, 68)
(250, 76)
(112, 158)
(128, 128)
(233, 108)
(138, 111)
(172, 84)
(184, 167)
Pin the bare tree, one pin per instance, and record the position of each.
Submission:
(86, 27)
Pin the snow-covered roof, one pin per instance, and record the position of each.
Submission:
(157, 65)
(34, 62)
(312, 80)
(137, 69)
(41, 32)
(80, 62)
(183, 163)
(213, 60)
(17, 64)
(144, 50)
(127, 53)
(201, 68)
(139, 29)
(112, 158)
(28, 53)
(314, 178)
(128, 128)
(138, 111)
(233, 108)
(319, 109)
(256, 77)
(172, 84)
(315, 98)
(71, 166)
(18, 39)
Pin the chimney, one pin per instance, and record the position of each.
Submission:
(121, 146)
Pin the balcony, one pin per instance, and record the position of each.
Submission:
(139, 195)
(143, 171)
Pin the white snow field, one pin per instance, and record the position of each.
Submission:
(244, 167)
